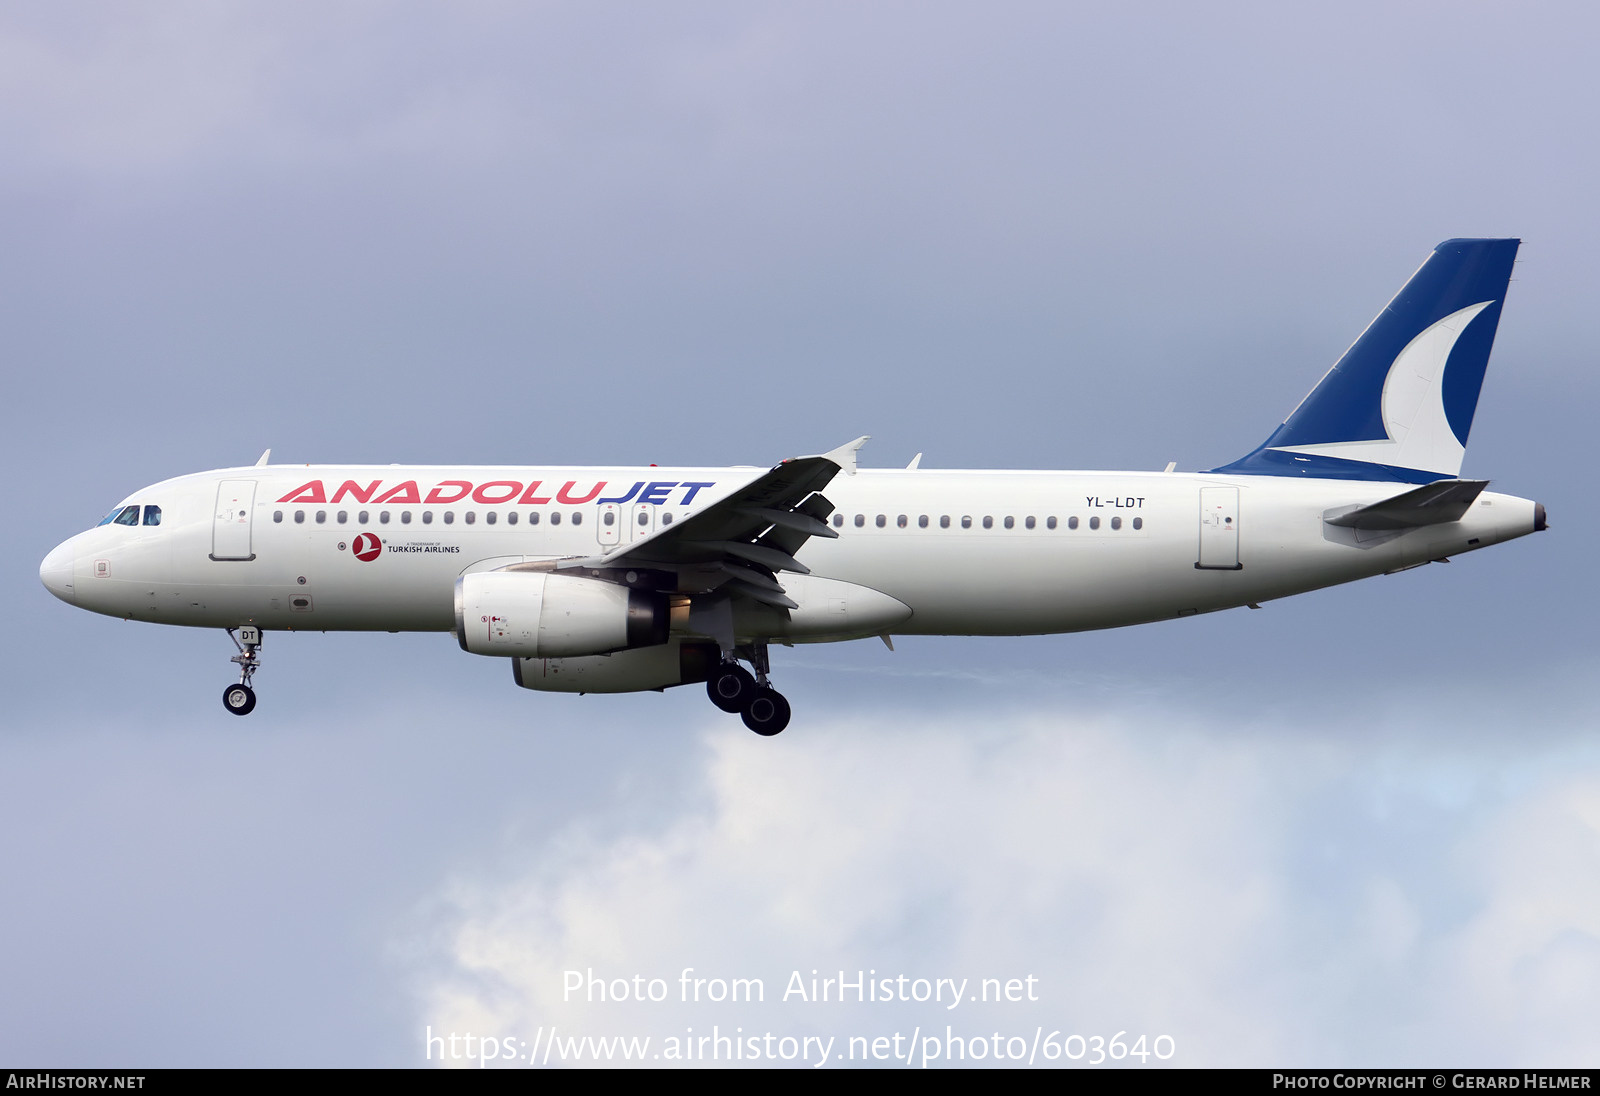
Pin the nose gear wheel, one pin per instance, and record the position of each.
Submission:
(240, 699)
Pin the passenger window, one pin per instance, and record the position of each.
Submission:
(1138, 523)
(901, 521)
(471, 516)
(861, 520)
(152, 515)
(666, 519)
(1116, 523)
(1094, 522)
(838, 521)
(427, 517)
(1029, 522)
(944, 521)
(342, 516)
(299, 517)
(922, 522)
(1072, 522)
(511, 518)
(555, 517)
(882, 521)
(322, 517)
(277, 516)
(449, 517)
(383, 517)
(1050, 522)
(1011, 522)
(644, 519)
(361, 517)
(489, 517)
(608, 519)
(988, 522)
(577, 519)
(405, 517)
(966, 521)
(533, 517)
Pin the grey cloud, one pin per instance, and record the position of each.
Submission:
(1160, 872)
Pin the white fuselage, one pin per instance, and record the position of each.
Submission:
(969, 552)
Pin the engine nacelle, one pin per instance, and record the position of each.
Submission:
(677, 663)
(535, 614)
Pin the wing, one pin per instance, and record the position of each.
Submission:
(739, 544)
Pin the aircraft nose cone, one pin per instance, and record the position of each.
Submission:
(56, 572)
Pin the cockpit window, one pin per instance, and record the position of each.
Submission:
(129, 515)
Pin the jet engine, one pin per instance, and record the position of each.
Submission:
(632, 671)
(541, 615)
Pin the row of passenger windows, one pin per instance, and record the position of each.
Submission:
(129, 515)
(575, 517)
(1008, 522)
(491, 517)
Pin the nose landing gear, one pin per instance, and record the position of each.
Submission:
(733, 689)
(240, 699)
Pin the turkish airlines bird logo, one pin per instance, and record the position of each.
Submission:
(367, 547)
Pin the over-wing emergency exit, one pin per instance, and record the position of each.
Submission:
(622, 579)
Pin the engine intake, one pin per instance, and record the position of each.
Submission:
(540, 615)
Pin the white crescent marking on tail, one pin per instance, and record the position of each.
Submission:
(1413, 406)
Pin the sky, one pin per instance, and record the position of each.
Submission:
(1358, 827)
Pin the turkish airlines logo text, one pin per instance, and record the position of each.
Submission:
(366, 547)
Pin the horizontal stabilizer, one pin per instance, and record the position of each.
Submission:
(1433, 504)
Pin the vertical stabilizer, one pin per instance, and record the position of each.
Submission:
(1399, 404)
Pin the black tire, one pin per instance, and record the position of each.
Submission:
(239, 699)
(767, 713)
(730, 687)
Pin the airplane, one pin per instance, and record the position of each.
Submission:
(611, 579)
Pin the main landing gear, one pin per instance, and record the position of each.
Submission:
(240, 699)
(734, 689)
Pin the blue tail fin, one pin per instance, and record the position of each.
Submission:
(1399, 404)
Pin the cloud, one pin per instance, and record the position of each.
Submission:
(1262, 895)
(1531, 955)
